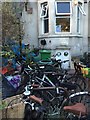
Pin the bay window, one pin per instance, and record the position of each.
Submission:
(62, 17)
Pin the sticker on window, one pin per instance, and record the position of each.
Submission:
(65, 53)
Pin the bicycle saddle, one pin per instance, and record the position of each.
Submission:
(77, 109)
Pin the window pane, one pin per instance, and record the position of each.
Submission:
(43, 13)
(63, 7)
(62, 24)
(46, 15)
(46, 26)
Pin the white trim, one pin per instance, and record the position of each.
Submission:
(63, 13)
(82, 10)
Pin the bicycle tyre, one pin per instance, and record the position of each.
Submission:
(27, 112)
(79, 80)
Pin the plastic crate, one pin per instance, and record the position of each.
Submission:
(45, 54)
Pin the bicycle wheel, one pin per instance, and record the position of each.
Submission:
(80, 81)
(27, 111)
(52, 103)
(80, 97)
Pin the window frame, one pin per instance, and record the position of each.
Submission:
(80, 12)
(44, 18)
(42, 9)
(63, 31)
(81, 9)
(63, 13)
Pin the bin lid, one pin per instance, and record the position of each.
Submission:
(45, 51)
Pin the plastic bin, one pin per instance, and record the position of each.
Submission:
(45, 54)
(45, 62)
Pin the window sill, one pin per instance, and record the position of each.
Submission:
(68, 35)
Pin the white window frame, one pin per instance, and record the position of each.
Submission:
(63, 13)
(82, 10)
(45, 10)
(62, 31)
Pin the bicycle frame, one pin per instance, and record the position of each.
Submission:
(43, 80)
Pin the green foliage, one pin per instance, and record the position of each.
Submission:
(7, 52)
(2, 105)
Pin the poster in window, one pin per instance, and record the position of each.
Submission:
(58, 28)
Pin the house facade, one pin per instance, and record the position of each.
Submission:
(89, 25)
(57, 25)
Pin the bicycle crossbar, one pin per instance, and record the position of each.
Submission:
(51, 88)
(48, 88)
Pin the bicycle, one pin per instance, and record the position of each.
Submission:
(58, 102)
(39, 101)
(42, 77)
(78, 109)
(77, 76)
(40, 74)
(49, 103)
(71, 109)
